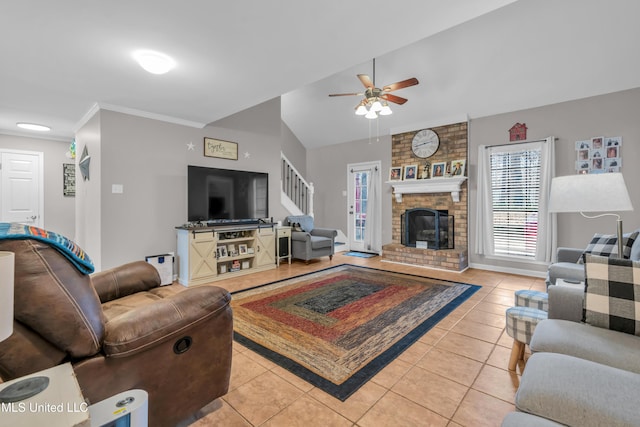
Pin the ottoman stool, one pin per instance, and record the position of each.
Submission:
(533, 299)
(521, 322)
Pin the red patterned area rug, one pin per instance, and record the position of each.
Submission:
(336, 328)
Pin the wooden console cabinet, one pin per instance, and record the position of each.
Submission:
(207, 254)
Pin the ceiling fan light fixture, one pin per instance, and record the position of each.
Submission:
(361, 110)
(154, 62)
(375, 100)
(386, 110)
(376, 106)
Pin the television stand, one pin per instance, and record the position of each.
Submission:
(231, 222)
(211, 253)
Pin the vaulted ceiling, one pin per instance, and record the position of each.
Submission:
(60, 59)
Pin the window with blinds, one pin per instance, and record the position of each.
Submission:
(515, 186)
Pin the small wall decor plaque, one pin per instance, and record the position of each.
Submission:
(68, 179)
(85, 161)
(220, 149)
(518, 132)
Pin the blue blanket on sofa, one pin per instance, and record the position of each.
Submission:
(66, 247)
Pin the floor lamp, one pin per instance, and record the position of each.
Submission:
(604, 192)
(31, 386)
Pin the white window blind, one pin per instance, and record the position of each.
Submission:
(515, 187)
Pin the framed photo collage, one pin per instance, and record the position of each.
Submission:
(600, 154)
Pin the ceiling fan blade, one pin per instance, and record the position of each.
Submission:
(399, 85)
(366, 81)
(394, 99)
(346, 94)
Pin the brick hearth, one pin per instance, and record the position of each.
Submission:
(446, 259)
(453, 146)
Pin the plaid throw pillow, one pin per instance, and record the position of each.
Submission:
(607, 245)
(612, 293)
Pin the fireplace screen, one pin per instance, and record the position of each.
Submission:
(427, 228)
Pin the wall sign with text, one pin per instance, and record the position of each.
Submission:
(220, 149)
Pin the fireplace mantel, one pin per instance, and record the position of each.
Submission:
(433, 185)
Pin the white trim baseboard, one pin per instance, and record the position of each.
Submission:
(518, 271)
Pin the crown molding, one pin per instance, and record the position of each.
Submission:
(133, 112)
(27, 134)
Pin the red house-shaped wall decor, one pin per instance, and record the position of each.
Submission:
(518, 132)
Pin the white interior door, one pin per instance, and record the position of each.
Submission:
(364, 207)
(21, 187)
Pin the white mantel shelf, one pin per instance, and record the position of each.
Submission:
(434, 185)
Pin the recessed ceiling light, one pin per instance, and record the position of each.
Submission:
(33, 126)
(154, 62)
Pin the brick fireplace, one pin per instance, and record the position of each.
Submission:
(453, 146)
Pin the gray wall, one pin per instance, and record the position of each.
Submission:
(59, 211)
(149, 159)
(607, 115)
(88, 192)
(327, 169)
(294, 151)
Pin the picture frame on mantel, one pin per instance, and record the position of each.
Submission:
(457, 167)
(220, 149)
(410, 173)
(438, 170)
(395, 173)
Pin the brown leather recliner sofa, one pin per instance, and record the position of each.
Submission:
(120, 330)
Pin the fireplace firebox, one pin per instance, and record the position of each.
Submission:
(427, 229)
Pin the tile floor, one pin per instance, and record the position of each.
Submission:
(455, 375)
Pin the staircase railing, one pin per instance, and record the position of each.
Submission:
(294, 186)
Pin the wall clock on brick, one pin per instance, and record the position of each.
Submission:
(425, 143)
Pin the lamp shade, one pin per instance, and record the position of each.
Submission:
(604, 192)
(7, 271)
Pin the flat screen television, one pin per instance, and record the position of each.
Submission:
(224, 195)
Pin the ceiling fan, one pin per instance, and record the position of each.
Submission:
(375, 99)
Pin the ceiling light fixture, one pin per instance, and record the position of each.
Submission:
(375, 108)
(33, 126)
(386, 110)
(371, 114)
(154, 62)
(361, 110)
(376, 100)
